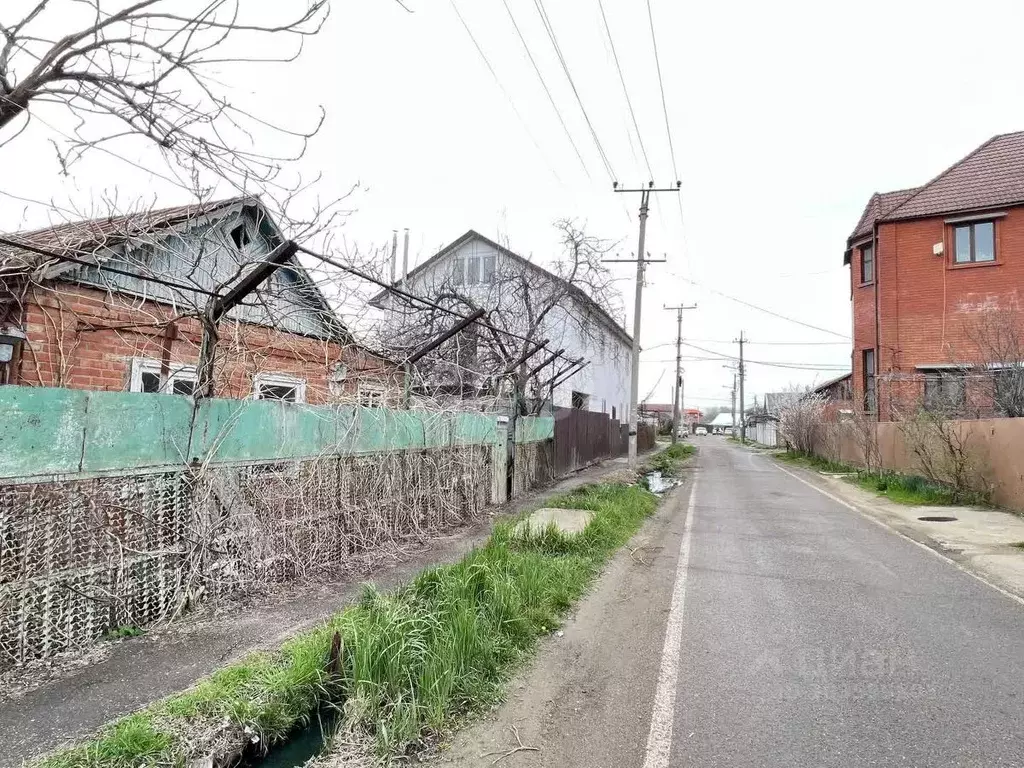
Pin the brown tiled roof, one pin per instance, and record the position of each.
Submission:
(880, 204)
(79, 238)
(991, 176)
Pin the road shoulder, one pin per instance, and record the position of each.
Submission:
(585, 700)
(979, 540)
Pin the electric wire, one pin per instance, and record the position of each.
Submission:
(625, 91)
(539, 4)
(508, 96)
(544, 84)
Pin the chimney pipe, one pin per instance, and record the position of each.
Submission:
(394, 254)
(405, 258)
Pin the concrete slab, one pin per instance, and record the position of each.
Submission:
(568, 521)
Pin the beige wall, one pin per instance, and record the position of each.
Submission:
(995, 448)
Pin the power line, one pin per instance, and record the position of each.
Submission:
(661, 86)
(625, 91)
(668, 127)
(565, 68)
(762, 309)
(547, 90)
(761, 343)
(508, 96)
(770, 363)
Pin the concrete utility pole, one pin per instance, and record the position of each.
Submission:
(678, 404)
(734, 400)
(634, 379)
(743, 415)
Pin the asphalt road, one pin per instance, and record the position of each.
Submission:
(776, 628)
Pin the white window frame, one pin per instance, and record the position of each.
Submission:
(374, 392)
(279, 380)
(141, 365)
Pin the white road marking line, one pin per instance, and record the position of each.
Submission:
(659, 739)
(915, 542)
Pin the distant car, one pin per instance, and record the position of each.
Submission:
(701, 431)
(716, 431)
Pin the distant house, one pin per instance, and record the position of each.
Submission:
(934, 270)
(113, 304)
(837, 394)
(659, 414)
(497, 279)
(722, 420)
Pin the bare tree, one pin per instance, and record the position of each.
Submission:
(498, 359)
(801, 415)
(151, 69)
(864, 429)
(995, 381)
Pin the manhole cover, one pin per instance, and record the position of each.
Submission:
(938, 519)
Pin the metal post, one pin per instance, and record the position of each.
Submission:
(394, 254)
(405, 259)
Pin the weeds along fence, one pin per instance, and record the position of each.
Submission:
(122, 509)
(985, 453)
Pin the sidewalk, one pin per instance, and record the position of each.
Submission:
(980, 539)
(82, 693)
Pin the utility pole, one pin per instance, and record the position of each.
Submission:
(743, 415)
(678, 404)
(734, 400)
(634, 378)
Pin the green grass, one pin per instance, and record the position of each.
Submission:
(903, 489)
(815, 462)
(1018, 544)
(414, 662)
(669, 460)
(120, 633)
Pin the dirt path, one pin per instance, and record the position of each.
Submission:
(46, 706)
(586, 699)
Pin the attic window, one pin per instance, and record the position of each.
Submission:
(240, 236)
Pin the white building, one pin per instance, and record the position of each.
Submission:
(498, 279)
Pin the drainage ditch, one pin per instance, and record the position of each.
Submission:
(303, 745)
(937, 519)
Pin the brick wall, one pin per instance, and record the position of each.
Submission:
(929, 308)
(85, 338)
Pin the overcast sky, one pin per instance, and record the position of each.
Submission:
(785, 117)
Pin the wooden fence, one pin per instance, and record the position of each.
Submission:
(585, 437)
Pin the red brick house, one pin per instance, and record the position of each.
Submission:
(114, 304)
(937, 282)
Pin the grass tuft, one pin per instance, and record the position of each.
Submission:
(669, 460)
(413, 662)
(1018, 544)
(903, 489)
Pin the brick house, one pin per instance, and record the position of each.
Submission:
(937, 281)
(114, 304)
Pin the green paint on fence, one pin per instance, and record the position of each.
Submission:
(533, 429)
(46, 431)
(41, 430)
(134, 429)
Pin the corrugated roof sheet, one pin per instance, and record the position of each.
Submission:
(85, 236)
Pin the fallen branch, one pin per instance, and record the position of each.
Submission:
(520, 748)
